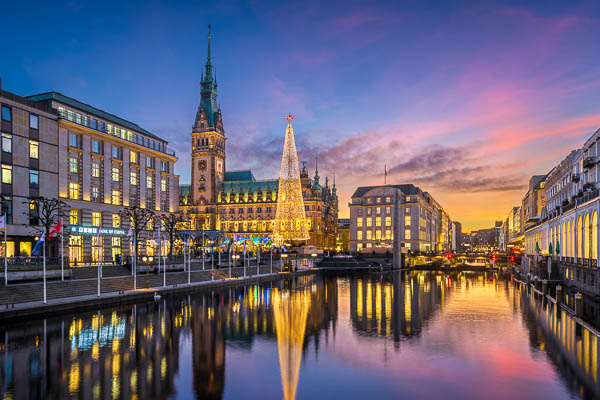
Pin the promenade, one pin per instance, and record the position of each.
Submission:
(116, 286)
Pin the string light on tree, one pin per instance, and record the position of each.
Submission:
(290, 218)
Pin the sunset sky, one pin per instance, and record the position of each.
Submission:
(464, 99)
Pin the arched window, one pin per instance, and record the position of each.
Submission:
(594, 228)
(586, 236)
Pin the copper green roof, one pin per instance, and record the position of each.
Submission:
(237, 176)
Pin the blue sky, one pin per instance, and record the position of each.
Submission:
(464, 99)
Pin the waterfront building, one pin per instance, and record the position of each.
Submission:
(533, 201)
(419, 219)
(105, 163)
(567, 230)
(30, 164)
(485, 240)
(235, 202)
(343, 235)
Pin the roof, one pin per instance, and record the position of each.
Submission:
(407, 188)
(90, 109)
(254, 186)
(239, 175)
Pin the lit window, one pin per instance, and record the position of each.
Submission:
(378, 221)
(109, 128)
(73, 217)
(34, 148)
(116, 197)
(34, 122)
(369, 221)
(116, 221)
(388, 221)
(61, 111)
(388, 234)
(115, 174)
(96, 218)
(163, 185)
(95, 193)
(377, 234)
(359, 222)
(73, 190)
(133, 156)
(149, 182)
(34, 178)
(78, 118)
(407, 234)
(70, 115)
(6, 143)
(6, 174)
(359, 235)
(73, 165)
(369, 235)
(407, 220)
(133, 178)
(388, 199)
(96, 170)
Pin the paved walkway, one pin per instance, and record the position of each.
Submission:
(114, 280)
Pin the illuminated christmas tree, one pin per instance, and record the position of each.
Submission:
(290, 219)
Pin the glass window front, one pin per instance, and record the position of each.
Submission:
(7, 174)
(34, 121)
(6, 143)
(6, 113)
(34, 149)
(34, 178)
(96, 218)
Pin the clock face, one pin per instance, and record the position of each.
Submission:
(202, 165)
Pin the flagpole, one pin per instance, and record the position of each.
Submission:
(258, 261)
(271, 257)
(44, 264)
(159, 251)
(99, 272)
(229, 257)
(62, 255)
(202, 250)
(134, 263)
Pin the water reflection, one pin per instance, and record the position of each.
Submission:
(258, 341)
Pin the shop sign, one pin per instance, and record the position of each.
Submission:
(93, 231)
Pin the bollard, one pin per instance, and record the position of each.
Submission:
(545, 287)
(559, 294)
(578, 305)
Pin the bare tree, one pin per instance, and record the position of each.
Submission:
(138, 219)
(46, 213)
(172, 223)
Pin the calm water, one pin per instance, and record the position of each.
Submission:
(418, 335)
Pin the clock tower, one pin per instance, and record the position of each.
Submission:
(208, 143)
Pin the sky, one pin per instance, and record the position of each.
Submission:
(466, 100)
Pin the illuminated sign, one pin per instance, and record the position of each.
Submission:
(93, 231)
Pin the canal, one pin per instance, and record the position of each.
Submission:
(412, 335)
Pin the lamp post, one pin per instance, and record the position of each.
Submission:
(281, 257)
(235, 258)
(314, 257)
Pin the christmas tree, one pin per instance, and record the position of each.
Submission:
(290, 219)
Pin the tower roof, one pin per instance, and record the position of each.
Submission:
(208, 114)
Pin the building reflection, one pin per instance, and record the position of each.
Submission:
(571, 343)
(134, 351)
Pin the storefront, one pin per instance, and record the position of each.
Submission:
(87, 247)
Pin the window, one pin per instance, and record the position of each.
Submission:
(7, 174)
(96, 147)
(149, 182)
(388, 199)
(369, 221)
(70, 115)
(163, 185)
(407, 220)
(96, 170)
(407, 210)
(102, 126)
(73, 190)
(378, 221)
(86, 120)
(61, 112)
(378, 233)
(73, 165)
(34, 178)
(6, 113)
(133, 179)
(96, 218)
(95, 193)
(115, 174)
(407, 234)
(164, 206)
(359, 235)
(6, 143)
(369, 235)
(369, 211)
(379, 199)
(129, 136)
(73, 217)
(116, 197)
(133, 157)
(95, 124)
(149, 162)
(34, 216)
(34, 148)
(359, 222)
(109, 128)
(164, 166)
(116, 152)
(388, 234)
(74, 140)
(388, 221)
(116, 221)
(378, 210)
(7, 209)
(388, 210)
(34, 122)
(78, 118)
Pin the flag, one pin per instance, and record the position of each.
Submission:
(2, 222)
(283, 248)
(40, 242)
(55, 230)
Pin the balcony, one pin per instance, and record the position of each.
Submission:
(589, 162)
(588, 187)
(575, 177)
(587, 197)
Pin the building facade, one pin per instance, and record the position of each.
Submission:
(105, 163)
(235, 202)
(30, 164)
(420, 219)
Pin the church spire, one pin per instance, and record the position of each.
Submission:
(208, 110)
